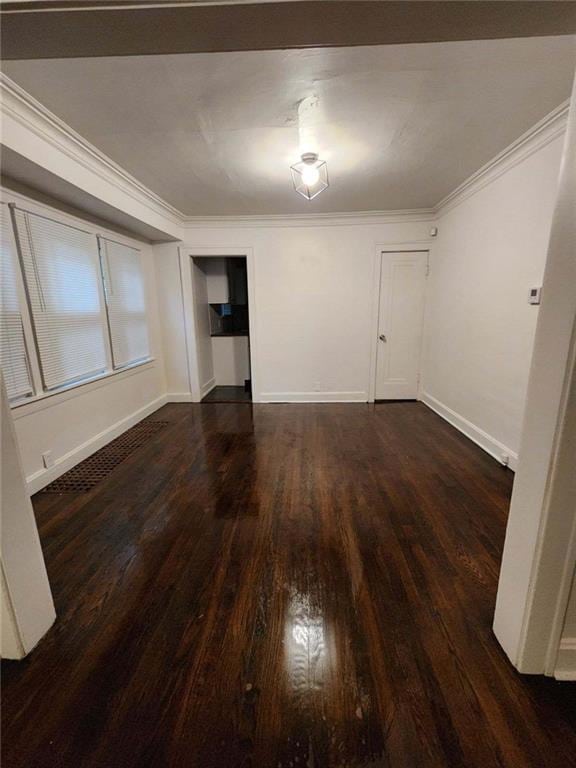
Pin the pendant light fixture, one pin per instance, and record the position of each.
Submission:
(310, 175)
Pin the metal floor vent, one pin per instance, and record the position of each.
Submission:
(84, 476)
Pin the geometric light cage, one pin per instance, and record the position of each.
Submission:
(310, 176)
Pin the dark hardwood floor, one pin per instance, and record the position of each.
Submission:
(280, 586)
(224, 394)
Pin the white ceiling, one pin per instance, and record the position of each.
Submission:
(215, 134)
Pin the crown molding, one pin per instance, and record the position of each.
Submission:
(68, 6)
(34, 116)
(542, 133)
(373, 218)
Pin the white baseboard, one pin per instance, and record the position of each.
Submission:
(492, 446)
(207, 387)
(566, 662)
(313, 397)
(179, 397)
(39, 479)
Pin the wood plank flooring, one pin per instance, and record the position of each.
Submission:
(281, 586)
(225, 394)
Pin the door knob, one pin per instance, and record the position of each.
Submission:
(382, 337)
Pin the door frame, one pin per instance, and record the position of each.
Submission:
(422, 246)
(187, 253)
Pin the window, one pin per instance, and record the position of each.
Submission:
(13, 355)
(125, 301)
(61, 269)
(73, 305)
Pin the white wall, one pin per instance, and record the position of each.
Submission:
(169, 291)
(94, 413)
(76, 423)
(314, 292)
(491, 250)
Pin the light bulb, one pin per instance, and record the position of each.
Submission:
(310, 175)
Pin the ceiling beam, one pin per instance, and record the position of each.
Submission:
(39, 29)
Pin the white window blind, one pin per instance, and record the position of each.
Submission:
(62, 273)
(126, 302)
(13, 355)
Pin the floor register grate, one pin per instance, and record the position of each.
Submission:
(88, 473)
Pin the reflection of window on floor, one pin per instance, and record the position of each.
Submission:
(306, 651)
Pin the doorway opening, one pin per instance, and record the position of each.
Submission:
(400, 325)
(222, 328)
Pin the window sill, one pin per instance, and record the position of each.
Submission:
(54, 397)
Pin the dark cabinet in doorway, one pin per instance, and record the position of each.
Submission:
(237, 281)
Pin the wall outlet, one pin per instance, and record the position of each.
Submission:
(316, 386)
(505, 459)
(47, 459)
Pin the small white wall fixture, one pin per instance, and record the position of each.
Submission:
(27, 605)
(540, 548)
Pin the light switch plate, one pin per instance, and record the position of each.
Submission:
(534, 296)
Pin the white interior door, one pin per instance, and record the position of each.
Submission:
(400, 321)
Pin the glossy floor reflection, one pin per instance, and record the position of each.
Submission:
(280, 586)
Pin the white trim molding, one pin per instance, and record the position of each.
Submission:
(374, 218)
(188, 397)
(42, 477)
(552, 126)
(106, 5)
(565, 668)
(207, 387)
(313, 397)
(180, 397)
(494, 447)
